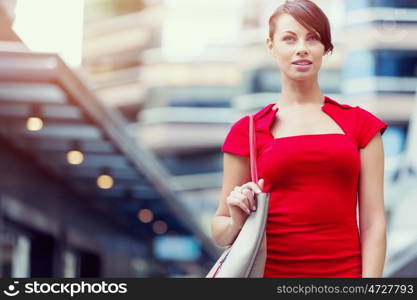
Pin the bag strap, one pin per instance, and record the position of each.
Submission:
(252, 149)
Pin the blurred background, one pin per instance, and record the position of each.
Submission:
(113, 113)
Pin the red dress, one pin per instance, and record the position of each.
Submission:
(313, 181)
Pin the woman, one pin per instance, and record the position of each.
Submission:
(316, 157)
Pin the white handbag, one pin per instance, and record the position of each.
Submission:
(246, 257)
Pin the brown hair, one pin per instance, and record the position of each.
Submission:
(307, 14)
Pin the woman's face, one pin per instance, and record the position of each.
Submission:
(292, 42)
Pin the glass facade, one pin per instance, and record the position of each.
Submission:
(361, 4)
(380, 62)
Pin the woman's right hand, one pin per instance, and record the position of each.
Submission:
(241, 201)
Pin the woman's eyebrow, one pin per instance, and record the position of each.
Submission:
(289, 31)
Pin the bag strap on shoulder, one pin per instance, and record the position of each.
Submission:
(252, 150)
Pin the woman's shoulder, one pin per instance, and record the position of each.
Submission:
(237, 139)
(363, 123)
(339, 104)
(242, 123)
(366, 125)
(352, 111)
(355, 109)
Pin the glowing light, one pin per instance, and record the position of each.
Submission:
(145, 215)
(34, 124)
(75, 157)
(105, 181)
(160, 227)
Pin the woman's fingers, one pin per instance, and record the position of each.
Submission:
(261, 183)
(253, 186)
(242, 198)
(249, 194)
(244, 207)
(237, 199)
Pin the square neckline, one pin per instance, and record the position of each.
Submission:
(307, 135)
(322, 107)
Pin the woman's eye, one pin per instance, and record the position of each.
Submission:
(291, 38)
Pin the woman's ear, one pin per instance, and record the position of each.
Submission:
(270, 46)
(268, 42)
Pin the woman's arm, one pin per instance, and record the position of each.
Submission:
(236, 172)
(372, 220)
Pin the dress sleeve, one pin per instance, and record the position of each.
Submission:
(237, 139)
(367, 125)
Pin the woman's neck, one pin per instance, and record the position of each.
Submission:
(300, 92)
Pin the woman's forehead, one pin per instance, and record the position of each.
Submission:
(287, 24)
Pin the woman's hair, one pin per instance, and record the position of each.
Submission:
(307, 14)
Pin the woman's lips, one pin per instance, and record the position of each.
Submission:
(302, 67)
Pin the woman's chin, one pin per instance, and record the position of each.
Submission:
(302, 76)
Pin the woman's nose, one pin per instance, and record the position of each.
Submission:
(301, 48)
(301, 51)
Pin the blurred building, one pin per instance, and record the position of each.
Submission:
(174, 97)
(78, 197)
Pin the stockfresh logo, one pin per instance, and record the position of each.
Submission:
(11, 290)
